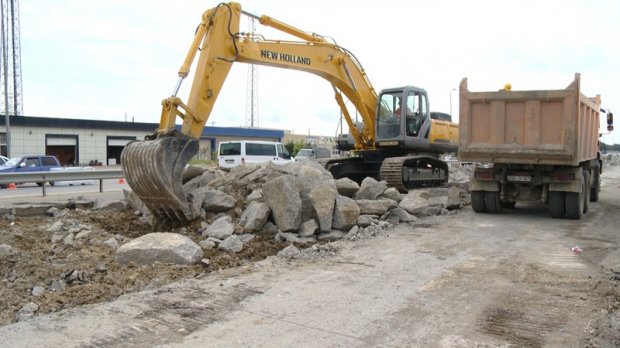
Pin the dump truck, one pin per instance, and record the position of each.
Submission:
(532, 146)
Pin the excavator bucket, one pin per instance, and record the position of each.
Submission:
(153, 169)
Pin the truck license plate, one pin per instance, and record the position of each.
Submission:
(519, 178)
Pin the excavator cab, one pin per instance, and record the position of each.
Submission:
(411, 140)
(403, 119)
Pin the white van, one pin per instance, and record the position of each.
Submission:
(236, 152)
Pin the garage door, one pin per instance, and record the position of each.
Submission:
(119, 142)
(61, 141)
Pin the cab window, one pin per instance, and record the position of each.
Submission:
(283, 152)
(230, 149)
(388, 125)
(252, 149)
(48, 161)
(33, 162)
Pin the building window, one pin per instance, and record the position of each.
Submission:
(3, 146)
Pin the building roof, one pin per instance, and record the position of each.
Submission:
(54, 122)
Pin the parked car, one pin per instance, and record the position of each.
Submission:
(234, 153)
(313, 153)
(3, 160)
(36, 163)
(73, 182)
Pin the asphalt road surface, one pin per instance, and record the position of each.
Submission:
(454, 281)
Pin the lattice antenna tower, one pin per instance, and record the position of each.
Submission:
(251, 98)
(11, 68)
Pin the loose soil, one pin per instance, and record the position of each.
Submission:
(99, 277)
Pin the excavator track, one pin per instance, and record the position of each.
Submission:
(153, 169)
(407, 172)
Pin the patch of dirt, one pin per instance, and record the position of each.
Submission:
(87, 272)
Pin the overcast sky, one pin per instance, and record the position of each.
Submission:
(104, 59)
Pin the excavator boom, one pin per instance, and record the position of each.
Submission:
(153, 167)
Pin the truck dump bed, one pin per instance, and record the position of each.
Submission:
(555, 127)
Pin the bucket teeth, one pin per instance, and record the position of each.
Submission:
(153, 169)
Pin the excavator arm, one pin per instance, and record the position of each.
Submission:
(154, 167)
(221, 44)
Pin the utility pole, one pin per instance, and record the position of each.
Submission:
(452, 90)
(251, 106)
(11, 65)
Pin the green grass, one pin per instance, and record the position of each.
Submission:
(207, 162)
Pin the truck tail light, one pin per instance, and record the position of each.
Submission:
(483, 175)
(564, 177)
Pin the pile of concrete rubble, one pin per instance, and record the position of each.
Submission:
(611, 159)
(298, 202)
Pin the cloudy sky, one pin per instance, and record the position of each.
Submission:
(107, 59)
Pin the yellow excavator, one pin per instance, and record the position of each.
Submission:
(399, 140)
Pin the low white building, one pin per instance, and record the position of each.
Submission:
(87, 142)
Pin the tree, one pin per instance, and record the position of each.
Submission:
(290, 147)
(294, 147)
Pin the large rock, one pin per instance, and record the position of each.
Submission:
(232, 244)
(347, 187)
(191, 172)
(217, 201)
(308, 228)
(160, 247)
(392, 193)
(220, 228)
(256, 195)
(417, 201)
(285, 202)
(307, 179)
(371, 207)
(323, 199)
(203, 180)
(399, 215)
(239, 172)
(254, 216)
(364, 220)
(370, 189)
(256, 175)
(346, 213)
(454, 198)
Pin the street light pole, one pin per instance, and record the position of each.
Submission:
(453, 89)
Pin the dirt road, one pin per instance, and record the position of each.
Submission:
(457, 281)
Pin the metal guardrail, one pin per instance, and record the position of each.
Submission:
(61, 175)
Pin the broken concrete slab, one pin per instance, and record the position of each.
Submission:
(323, 199)
(346, 212)
(283, 198)
(160, 247)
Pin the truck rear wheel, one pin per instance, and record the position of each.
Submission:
(557, 204)
(492, 202)
(509, 204)
(575, 203)
(586, 191)
(596, 184)
(477, 201)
